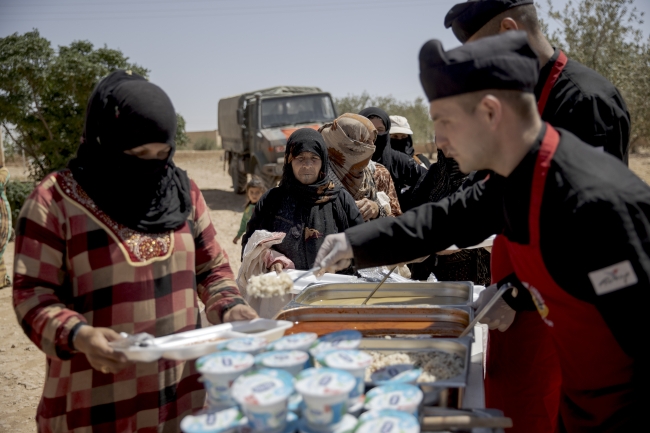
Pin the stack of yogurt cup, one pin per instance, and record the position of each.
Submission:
(255, 387)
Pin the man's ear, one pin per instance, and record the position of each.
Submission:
(491, 109)
(508, 24)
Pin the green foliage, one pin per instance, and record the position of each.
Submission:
(181, 139)
(17, 193)
(205, 143)
(43, 95)
(605, 35)
(417, 112)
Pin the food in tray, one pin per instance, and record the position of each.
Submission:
(381, 329)
(435, 365)
(403, 300)
(269, 285)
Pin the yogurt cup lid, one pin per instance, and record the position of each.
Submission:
(403, 373)
(346, 425)
(345, 359)
(293, 341)
(281, 358)
(325, 382)
(213, 422)
(244, 344)
(292, 425)
(387, 420)
(262, 387)
(348, 339)
(224, 362)
(397, 396)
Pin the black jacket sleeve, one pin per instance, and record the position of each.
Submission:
(351, 209)
(405, 170)
(465, 219)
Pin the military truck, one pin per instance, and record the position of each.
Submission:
(254, 128)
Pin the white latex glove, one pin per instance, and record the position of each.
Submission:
(500, 316)
(334, 255)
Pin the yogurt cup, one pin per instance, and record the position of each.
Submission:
(387, 420)
(336, 340)
(263, 396)
(291, 427)
(225, 421)
(398, 396)
(252, 345)
(325, 393)
(354, 362)
(347, 425)
(400, 373)
(219, 371)
(291, 361)
(300, 341)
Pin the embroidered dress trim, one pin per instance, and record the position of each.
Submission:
(140, 249)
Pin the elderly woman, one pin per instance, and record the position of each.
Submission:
(121, 241)
(307, 205)
(350, 146)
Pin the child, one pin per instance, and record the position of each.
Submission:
(254, 190)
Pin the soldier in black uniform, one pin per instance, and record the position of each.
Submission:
(575, 224)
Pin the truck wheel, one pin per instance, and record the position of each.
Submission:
(239, 179)
(269, 181)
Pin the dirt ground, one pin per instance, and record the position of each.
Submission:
(22, 365)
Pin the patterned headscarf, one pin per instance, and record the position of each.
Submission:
(350, 146)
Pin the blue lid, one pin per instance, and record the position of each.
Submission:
(398, 396)
(348, 339)
(293, 341)
(324, 382)
(282, 358)
(213, 422)
(224, 362)
(387, 420)
(244, 344)
(403, 373)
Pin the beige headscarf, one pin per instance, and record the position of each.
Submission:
(350, 145)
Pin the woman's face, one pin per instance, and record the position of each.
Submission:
(306, 167)
(398, 136)
(379, 125)
(151, 151)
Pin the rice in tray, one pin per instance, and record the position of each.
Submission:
(269, 285)
(435, 365)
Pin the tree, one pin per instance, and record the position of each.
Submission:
(181, 139)
(43, 95)
(417, 112)
(605, 35)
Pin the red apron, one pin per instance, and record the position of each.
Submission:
(522, 371)
(596, 375)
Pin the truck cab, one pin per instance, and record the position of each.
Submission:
(255, 126)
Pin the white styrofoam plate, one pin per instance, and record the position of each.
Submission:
(188, 345)
(486, 243)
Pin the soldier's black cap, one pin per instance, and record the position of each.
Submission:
(467, 18)
(505, 61)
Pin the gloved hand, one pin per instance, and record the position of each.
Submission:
(334, 255)
(500, 316)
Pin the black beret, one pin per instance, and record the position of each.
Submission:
(467, 18)
(505, 61)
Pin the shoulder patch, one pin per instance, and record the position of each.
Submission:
(612, 278)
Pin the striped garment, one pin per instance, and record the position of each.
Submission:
(74, 264)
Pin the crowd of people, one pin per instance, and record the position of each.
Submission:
(523, 135)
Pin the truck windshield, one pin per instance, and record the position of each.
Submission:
(294, 110)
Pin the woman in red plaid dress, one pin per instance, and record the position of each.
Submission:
(121, 241)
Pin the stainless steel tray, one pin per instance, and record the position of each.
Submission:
(447, 392)
(431, 293)
(383, 318)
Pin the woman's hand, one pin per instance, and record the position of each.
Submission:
(277, 267)
(368, 208)
(239, 312)
(93, 342)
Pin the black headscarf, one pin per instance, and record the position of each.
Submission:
(404, 145)
(126, 111)
(382, 153)
(321, 191)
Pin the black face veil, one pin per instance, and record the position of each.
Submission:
(382, 143)
(126, 111)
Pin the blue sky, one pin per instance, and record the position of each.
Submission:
(199, 51)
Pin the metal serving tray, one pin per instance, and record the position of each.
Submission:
(441, 392)
(438, 293)
(452, 319)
